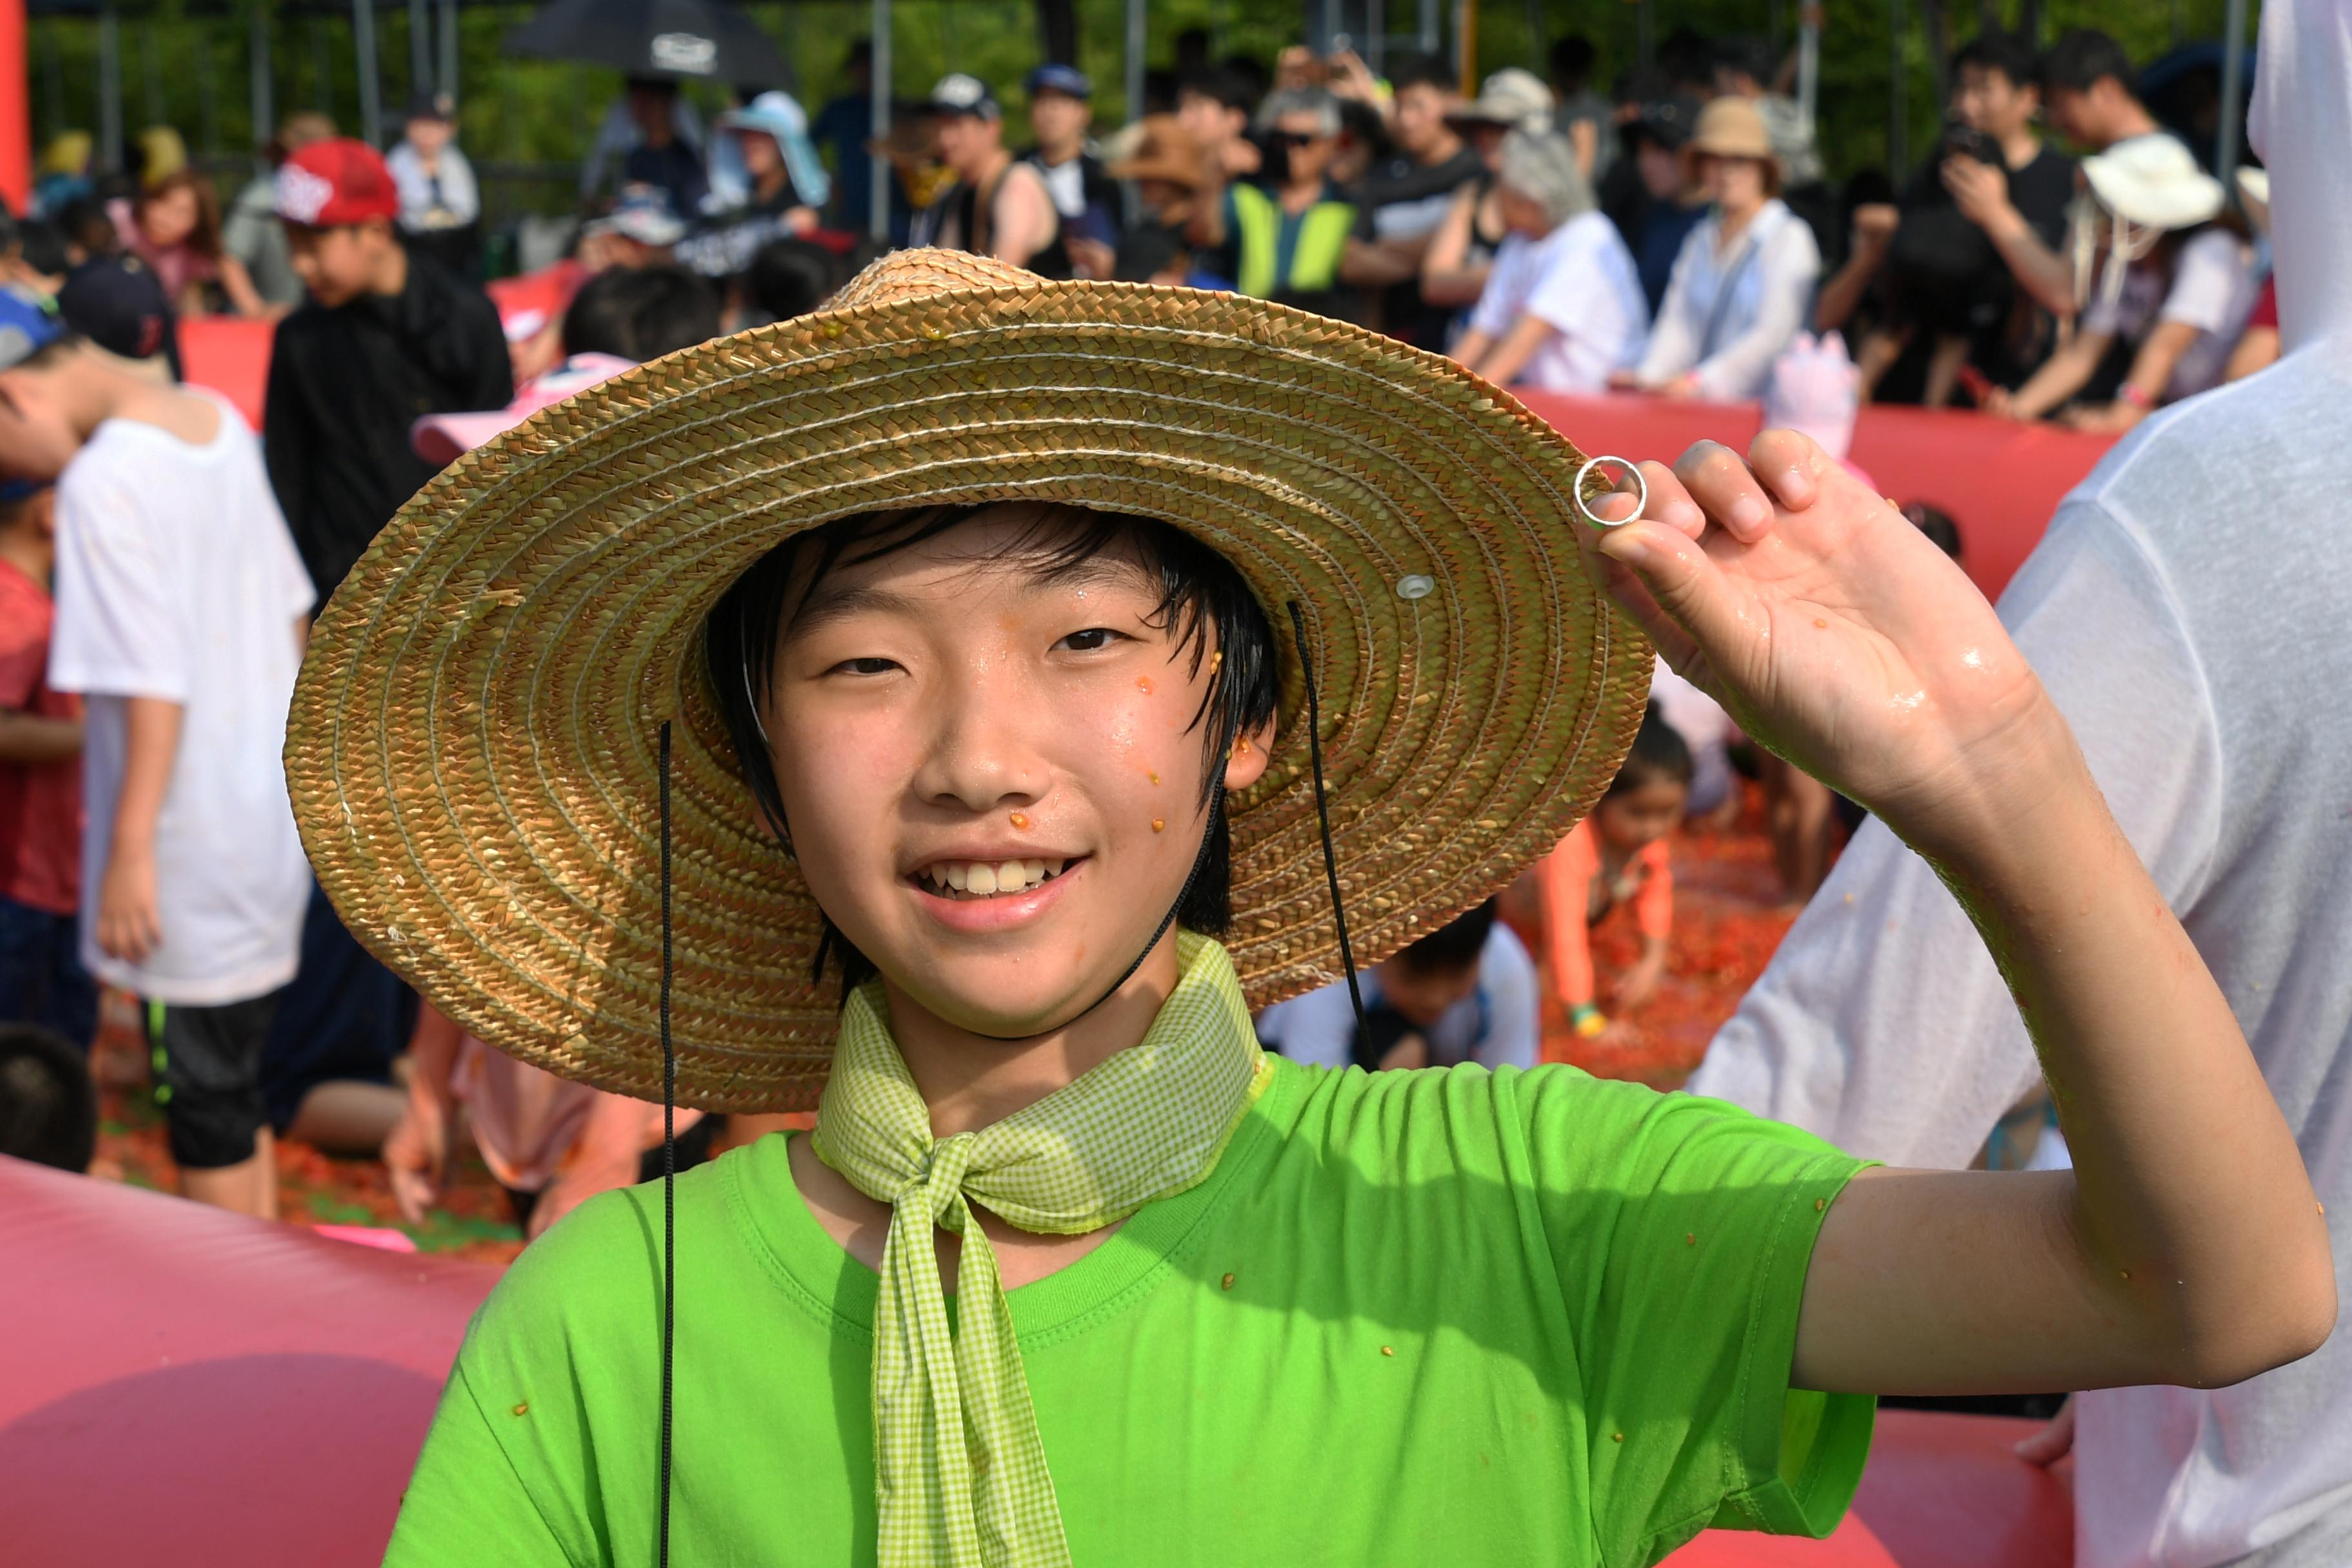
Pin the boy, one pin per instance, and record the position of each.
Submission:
(41, 979)
(180, 616)
(946, 639)
(1465, 992)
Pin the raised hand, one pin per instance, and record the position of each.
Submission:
(1835, 632)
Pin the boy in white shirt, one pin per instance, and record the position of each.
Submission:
(180, 611)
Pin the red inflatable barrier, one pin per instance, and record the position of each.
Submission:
(231, 355)
(1999, 479)
(181, 1386)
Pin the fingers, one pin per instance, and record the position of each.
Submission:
(1690, 590)
(1630, 592)
(2054, 1442)
(1713, 476)
(1793, 464)
(1670, 504)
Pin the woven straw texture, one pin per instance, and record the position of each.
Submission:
(473, 753)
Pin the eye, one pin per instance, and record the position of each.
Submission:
(1090, 640)
(864, 666)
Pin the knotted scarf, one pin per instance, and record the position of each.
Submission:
(959, 1474)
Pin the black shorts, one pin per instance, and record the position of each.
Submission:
(207, 1070)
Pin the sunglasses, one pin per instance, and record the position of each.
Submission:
(1295, 139)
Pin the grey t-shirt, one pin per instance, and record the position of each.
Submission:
(2188, 611)
(255, 234)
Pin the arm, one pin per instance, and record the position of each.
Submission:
(129, 926)
(237, 284)
(1024, 219)
(1565, 877)
(1654, 914)
(416, 1150)
(1584, 138)
(1447, 278)
(1982, 193)
(1470, 348)
(610, 1148)
(2257, 350)
(2186, 1245)
(34, 738)
(1377, 263)
(1502, 363)
(2061, 376)
(1874, 229)
(2152, 373)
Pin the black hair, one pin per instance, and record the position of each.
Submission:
(1659, 753)
(1453, 946)
(1571, 59)
(790, 277)
(1204, 605)
(1936, 524)
(1688, 61)
(51, 352)
(641, 314)
(87, 226)
(49, 1110)
(2082, 60)
(1996, 50)
(1749, 56)
(42, 247)
(1418, 70)
(1221, 84)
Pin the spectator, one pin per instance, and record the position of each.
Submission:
(1284, 241)
(179, 613)
(1985, 220)
(174, 226)
(42, 981)
(1215, 109)
(253, 233)
(1061, 107)
(1619, 854)
(2174, 293)
(640, 231)
(1403, 205)
(440, 209)
(116, 307)
(1669, 199)
(2086, 91)
(1582, 115)
(790, 277)
(1465, 992)
(64, 171)
(1563, 310)
(1744, 279)
(2258, 345)
(998, 206)
(641, 314)
(1166, 168)
(842, 129)
(1709, 734)
(788, 183)
(1453, 270)
(34, 257)
(48, 1106)
(2197, 655)
(387, 336)
(1748, 69)
(651, 136)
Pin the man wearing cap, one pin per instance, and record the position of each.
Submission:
(118, 306)
(1061, 107)
(387, 336)
(1404, 201)
(999, 206)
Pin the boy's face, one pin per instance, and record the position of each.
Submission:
(1059, 120)
(1986, 100)
(36, 437)
(1423, 995)
(1638, 817)
(945, 715)
(338, 265)
(429, 134)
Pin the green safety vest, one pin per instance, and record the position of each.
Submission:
(1314, 261)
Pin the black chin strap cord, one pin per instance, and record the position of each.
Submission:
(670, 1163)
(1323, 815)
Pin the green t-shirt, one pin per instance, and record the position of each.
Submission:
(1446, 1316)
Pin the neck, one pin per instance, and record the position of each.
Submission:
(1437, 152)
(1736, 219)
(970, 1080)
(1061, 153)
(771, 184)
(986, 167)
(390, 275)
(2021, 146)
(1296, 192)
(28, 552)
(2131, 120)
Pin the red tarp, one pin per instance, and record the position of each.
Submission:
(181, 1386)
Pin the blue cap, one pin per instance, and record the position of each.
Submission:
(29, 323)
(780, 117)
(1054, 77)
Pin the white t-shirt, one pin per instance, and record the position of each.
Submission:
(1495, 1026)
(1705, 729)
(1729, 313)
(176, 578)
(2198, 645)
(1579, 279)
(2214, 289)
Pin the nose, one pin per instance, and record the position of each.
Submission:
(982, 754)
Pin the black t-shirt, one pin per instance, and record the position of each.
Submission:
(2043, 191)
(1945, 273)
(1402, 199)
(346, 387)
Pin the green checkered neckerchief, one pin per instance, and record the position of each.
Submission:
(958, 1474)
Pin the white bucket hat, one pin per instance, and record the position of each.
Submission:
(2153, 182)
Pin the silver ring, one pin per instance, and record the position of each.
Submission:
(1640, 490)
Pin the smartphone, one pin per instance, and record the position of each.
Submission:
(1966, 142)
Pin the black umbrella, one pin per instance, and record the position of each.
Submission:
(691, 39)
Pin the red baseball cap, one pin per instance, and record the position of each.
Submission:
(335, 182)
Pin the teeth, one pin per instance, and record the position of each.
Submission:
(982, 879)
(957, 873)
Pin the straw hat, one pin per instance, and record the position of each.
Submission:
(1161, 150)
(1730, 128)
(1511, 97)
(472, 749)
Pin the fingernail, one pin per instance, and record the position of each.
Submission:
(1796, 484)
(1747, 513)
(1685, 516)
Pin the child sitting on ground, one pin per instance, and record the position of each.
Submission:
(1465, 992)
(1617, 855)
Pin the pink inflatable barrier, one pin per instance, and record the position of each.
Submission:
(180, 1385)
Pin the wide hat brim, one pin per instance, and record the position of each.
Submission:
(473, 748)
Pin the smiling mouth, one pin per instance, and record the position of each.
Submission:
(966, 880)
